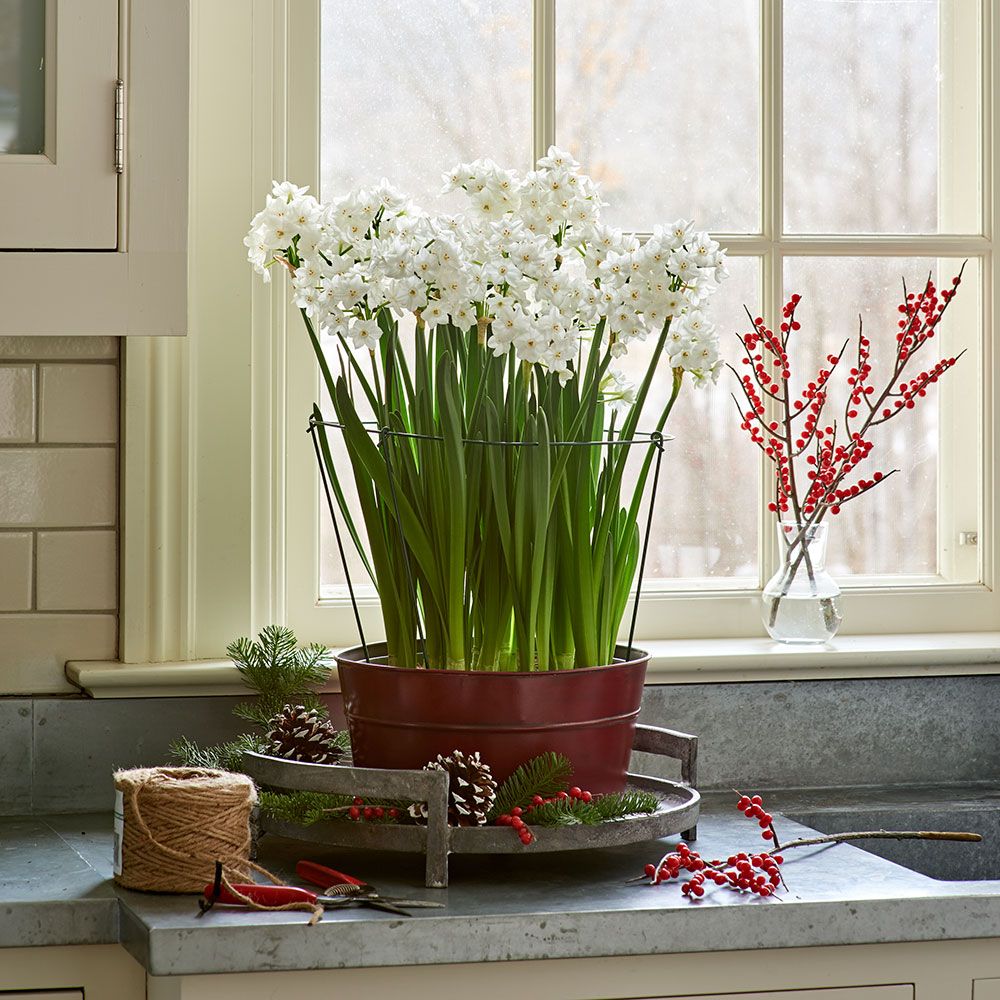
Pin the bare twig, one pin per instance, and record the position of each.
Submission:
(836, 838)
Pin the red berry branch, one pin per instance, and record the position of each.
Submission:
(760, 873)
(793, 431)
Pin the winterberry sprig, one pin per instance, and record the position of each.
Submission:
(359, 812)
(867, 406)
(760, 873)
(757, 874)
(516, 817)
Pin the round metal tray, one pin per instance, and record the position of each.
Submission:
(677, 812)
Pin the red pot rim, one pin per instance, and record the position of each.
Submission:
(355, 656)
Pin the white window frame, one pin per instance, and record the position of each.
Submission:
(220, 491)
(711, 611)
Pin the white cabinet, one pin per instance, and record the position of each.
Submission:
(986, 989)
(81, 972)
(58, 74)
(93, 167)
(52, 995)
(901, 992)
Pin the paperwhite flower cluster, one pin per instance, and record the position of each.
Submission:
(529, 262)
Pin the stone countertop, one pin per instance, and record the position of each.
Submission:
(56, 888)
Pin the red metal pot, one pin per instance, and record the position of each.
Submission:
(403, 717)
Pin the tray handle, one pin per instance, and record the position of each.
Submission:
(679, 746)
(416, 786)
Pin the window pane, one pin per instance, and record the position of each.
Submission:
(705, 519)
(894, 529)
(22, 76)
(409, 90)
(881, 116)
(659, 100)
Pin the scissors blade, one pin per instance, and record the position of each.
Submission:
(380, 904)
(421, 904)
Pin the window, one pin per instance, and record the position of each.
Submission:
(835, 146)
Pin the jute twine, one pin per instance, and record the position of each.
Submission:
(178, 822)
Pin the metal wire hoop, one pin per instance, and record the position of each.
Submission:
(317, 429)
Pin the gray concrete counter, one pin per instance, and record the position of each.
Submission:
(56, 888)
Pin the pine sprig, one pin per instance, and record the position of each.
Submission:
(562, 812)
(303, 808)
(545, 775)
(601, 809)
(306, 808)
(280, 672)
(226, 756)
(618, 805)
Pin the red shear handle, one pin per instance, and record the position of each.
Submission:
(322, 876)
(266, 895)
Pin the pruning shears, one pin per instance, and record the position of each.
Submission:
(340, 891)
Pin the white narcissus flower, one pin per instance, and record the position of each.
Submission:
(528, 250)
(617, 392)
(365, 333)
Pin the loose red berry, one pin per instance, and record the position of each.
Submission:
(575, 792)
(354, 812)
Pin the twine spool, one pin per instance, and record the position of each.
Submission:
(178, 821)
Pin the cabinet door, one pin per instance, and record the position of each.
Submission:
(58, 69)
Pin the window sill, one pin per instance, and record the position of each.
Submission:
(673, 661)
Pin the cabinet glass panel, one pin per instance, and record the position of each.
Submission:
(22, 76)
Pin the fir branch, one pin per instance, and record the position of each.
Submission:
(602, 809)
(545, 775)
(618, 805)
(306, 808)
(226, 756)
(280, 673)
(562, 812)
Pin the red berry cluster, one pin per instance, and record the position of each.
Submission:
(831, 461)
(758, 874)
(359, 811)
(515, 818)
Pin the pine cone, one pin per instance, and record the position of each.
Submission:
(472, 790)
(300, 733)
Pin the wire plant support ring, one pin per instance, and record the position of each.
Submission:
(318, 429)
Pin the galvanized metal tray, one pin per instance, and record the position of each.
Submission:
(676, 813)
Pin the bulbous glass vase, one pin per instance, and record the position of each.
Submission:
(800, 602)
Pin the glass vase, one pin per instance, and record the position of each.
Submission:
(800, 603)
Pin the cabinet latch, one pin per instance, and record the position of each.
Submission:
(119, 126)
